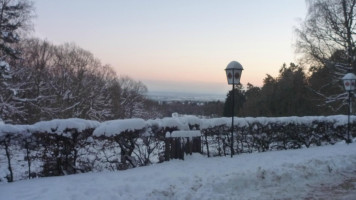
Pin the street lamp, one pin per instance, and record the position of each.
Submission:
(233, 74)
(350, 84)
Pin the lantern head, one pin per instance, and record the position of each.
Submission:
(349, 81)
(233, 73)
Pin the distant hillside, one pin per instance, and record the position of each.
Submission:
(178, 96)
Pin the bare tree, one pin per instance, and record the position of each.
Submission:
(64, 81)
(326, 38)
(131, 97)
(80, 83)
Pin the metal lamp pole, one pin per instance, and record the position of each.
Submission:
(350, 85)
(232, 118)
(348, 120)
(233, 74)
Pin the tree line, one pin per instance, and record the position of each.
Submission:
(288, 94)
(41, 81)
(63, 81)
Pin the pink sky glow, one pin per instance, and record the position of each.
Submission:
(178, 45)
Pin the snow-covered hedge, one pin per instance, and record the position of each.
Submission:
(62, 126)
(65, 146)
(263, 134)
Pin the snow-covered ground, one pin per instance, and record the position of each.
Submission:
(327, 172)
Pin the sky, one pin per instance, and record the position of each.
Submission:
(178, 46)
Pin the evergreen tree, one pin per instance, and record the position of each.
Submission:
(239, 100)
(253, 105)
(15, 17)
(286, 95)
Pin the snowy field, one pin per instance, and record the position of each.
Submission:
(327, 172)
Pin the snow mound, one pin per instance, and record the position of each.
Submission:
(313, 173)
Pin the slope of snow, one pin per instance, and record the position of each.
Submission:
(318, 172)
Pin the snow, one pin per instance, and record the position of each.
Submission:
(292, 174)
(116, 127)
(234, 65)
(11, 129)
(58, 126)
(184, 134)
(337, 120)
(169, 122)
(349, 76)
(190, 119)
(214, 122)
(4, 65)
(313, 173)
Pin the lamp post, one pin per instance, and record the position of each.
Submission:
(233, 74)
(350, 84)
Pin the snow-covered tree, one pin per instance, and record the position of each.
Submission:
(132, 98)
(63, 81)
(15, 18)
(326, 39)
(79, 83)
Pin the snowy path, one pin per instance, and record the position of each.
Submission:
(315, 173)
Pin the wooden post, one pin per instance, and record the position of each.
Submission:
(207, 145)
(167, 150)
(179, 143)
(190, 145)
